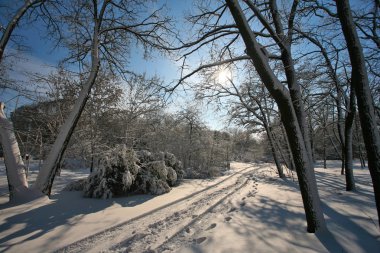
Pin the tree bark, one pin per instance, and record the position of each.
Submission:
(304, 168)
(288, 150)
(363, 94)
(350, 180)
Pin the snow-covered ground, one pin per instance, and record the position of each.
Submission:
(247, 210)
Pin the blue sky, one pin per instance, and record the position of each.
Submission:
(41, 56)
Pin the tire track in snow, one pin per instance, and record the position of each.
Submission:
(171, 244)
(141, 235)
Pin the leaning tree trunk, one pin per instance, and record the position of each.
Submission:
(288, 149)
(303, 163)
(363, 94)
(50, 167)
(17, 182)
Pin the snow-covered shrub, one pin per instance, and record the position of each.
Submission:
(144, 156)
(175, 164)
(172, 176)
(124, 170)
(115, 175)
(158, 172)
(170, 162)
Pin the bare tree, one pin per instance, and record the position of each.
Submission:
(98, 33)
(363, 94)
(18, 185)
(103, 39)
(344, 122)
(299, 146)
(224, 37)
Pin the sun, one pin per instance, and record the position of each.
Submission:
(223, 75)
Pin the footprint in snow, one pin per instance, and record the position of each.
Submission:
(212, 226)
(232, 209)
(200, 240)
(251, 194)
(227, 218)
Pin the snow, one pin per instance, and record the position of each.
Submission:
(246, 210)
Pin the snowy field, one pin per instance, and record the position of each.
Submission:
(247, 210)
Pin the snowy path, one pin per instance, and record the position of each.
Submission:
(140, 234)
(249, 210)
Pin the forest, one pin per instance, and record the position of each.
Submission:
(225, 105)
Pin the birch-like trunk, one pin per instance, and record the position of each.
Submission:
(14, 165)
(50, 167)
(17, 183)
(302, 159)
(363, 94)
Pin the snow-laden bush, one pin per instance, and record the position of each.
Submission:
(157, 173)
(172, 162)
(116, 173)
(124, 170)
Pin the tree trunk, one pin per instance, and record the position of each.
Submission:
(274, 153)
(295, 94)
(17, 183)
(350, 180)
(271, 138)
(359, 144)
(341, 126)
(279, 149)
(325, 116)
(294, 87)
(12, 157)
(289, 151)
(302, 160)
(363, 94)
(49, 169)
(311, 135)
